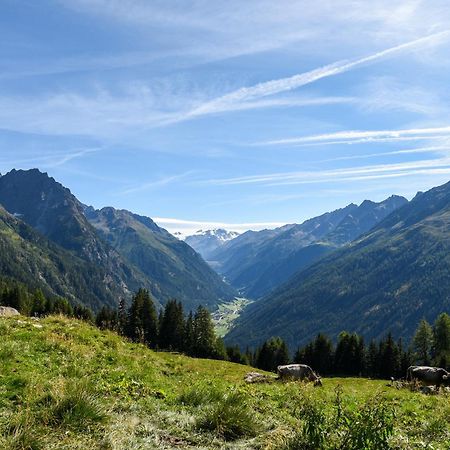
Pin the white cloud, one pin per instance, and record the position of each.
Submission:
(188, 227)
(380, 171)
(157, 183)
(51, 160)
(358, 136)
(430, 149)
(235, 99)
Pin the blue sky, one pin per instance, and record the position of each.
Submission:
(227, 113)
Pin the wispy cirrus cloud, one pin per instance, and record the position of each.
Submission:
(102, 113)
(235, 100)
(430, 149)
(164, 181)
(372, 172)
(52, 160)
(360, 136)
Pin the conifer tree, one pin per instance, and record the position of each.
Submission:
(39, 301)
(273, 353)
(406, 358)
(189, 334)
(441, 335)
(423, 343)
(389, 358)
(235, 355)
(220, 352)
(372, 360)
(172, 327)
(60, 305)
(204, 335)
(135, 325)
(322, 359)
(122, 317)
(83, 313)
(106, 319)
(149, 320)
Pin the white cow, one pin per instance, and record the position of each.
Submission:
(299, 372)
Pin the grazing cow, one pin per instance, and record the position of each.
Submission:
(299, 372)
(429, 376)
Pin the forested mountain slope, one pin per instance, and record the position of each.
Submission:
(29, 257)
(269, 258)
(176, 270)
(123, 250)
(388, 279)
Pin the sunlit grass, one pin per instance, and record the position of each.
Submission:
(66, 385)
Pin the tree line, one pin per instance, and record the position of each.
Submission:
(194, 335)
(351, 356)
(16, 295)
(169, 330)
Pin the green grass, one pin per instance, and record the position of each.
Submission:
(67, 385)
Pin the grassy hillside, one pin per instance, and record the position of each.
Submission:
(67, 385)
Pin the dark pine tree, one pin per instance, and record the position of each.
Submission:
(205, 341)
(172, 327)
(322, 360)
(274, 352)
(39, 301)
(149, 320)
(122, 317)
(389, 358)
(107, 319)
(135, 325)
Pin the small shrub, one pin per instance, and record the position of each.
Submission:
(230, 418)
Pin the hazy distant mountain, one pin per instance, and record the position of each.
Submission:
(387, 279)
(128, 251)
(207, 242)
(175, 269)
(257, 262)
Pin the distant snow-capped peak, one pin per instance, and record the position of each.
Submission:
(218, 233)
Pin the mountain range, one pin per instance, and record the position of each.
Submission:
(114, 252)
(386, 280)
(257, 262)
(368, 268)
(206, 242)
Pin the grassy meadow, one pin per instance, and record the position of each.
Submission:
(67, 385)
